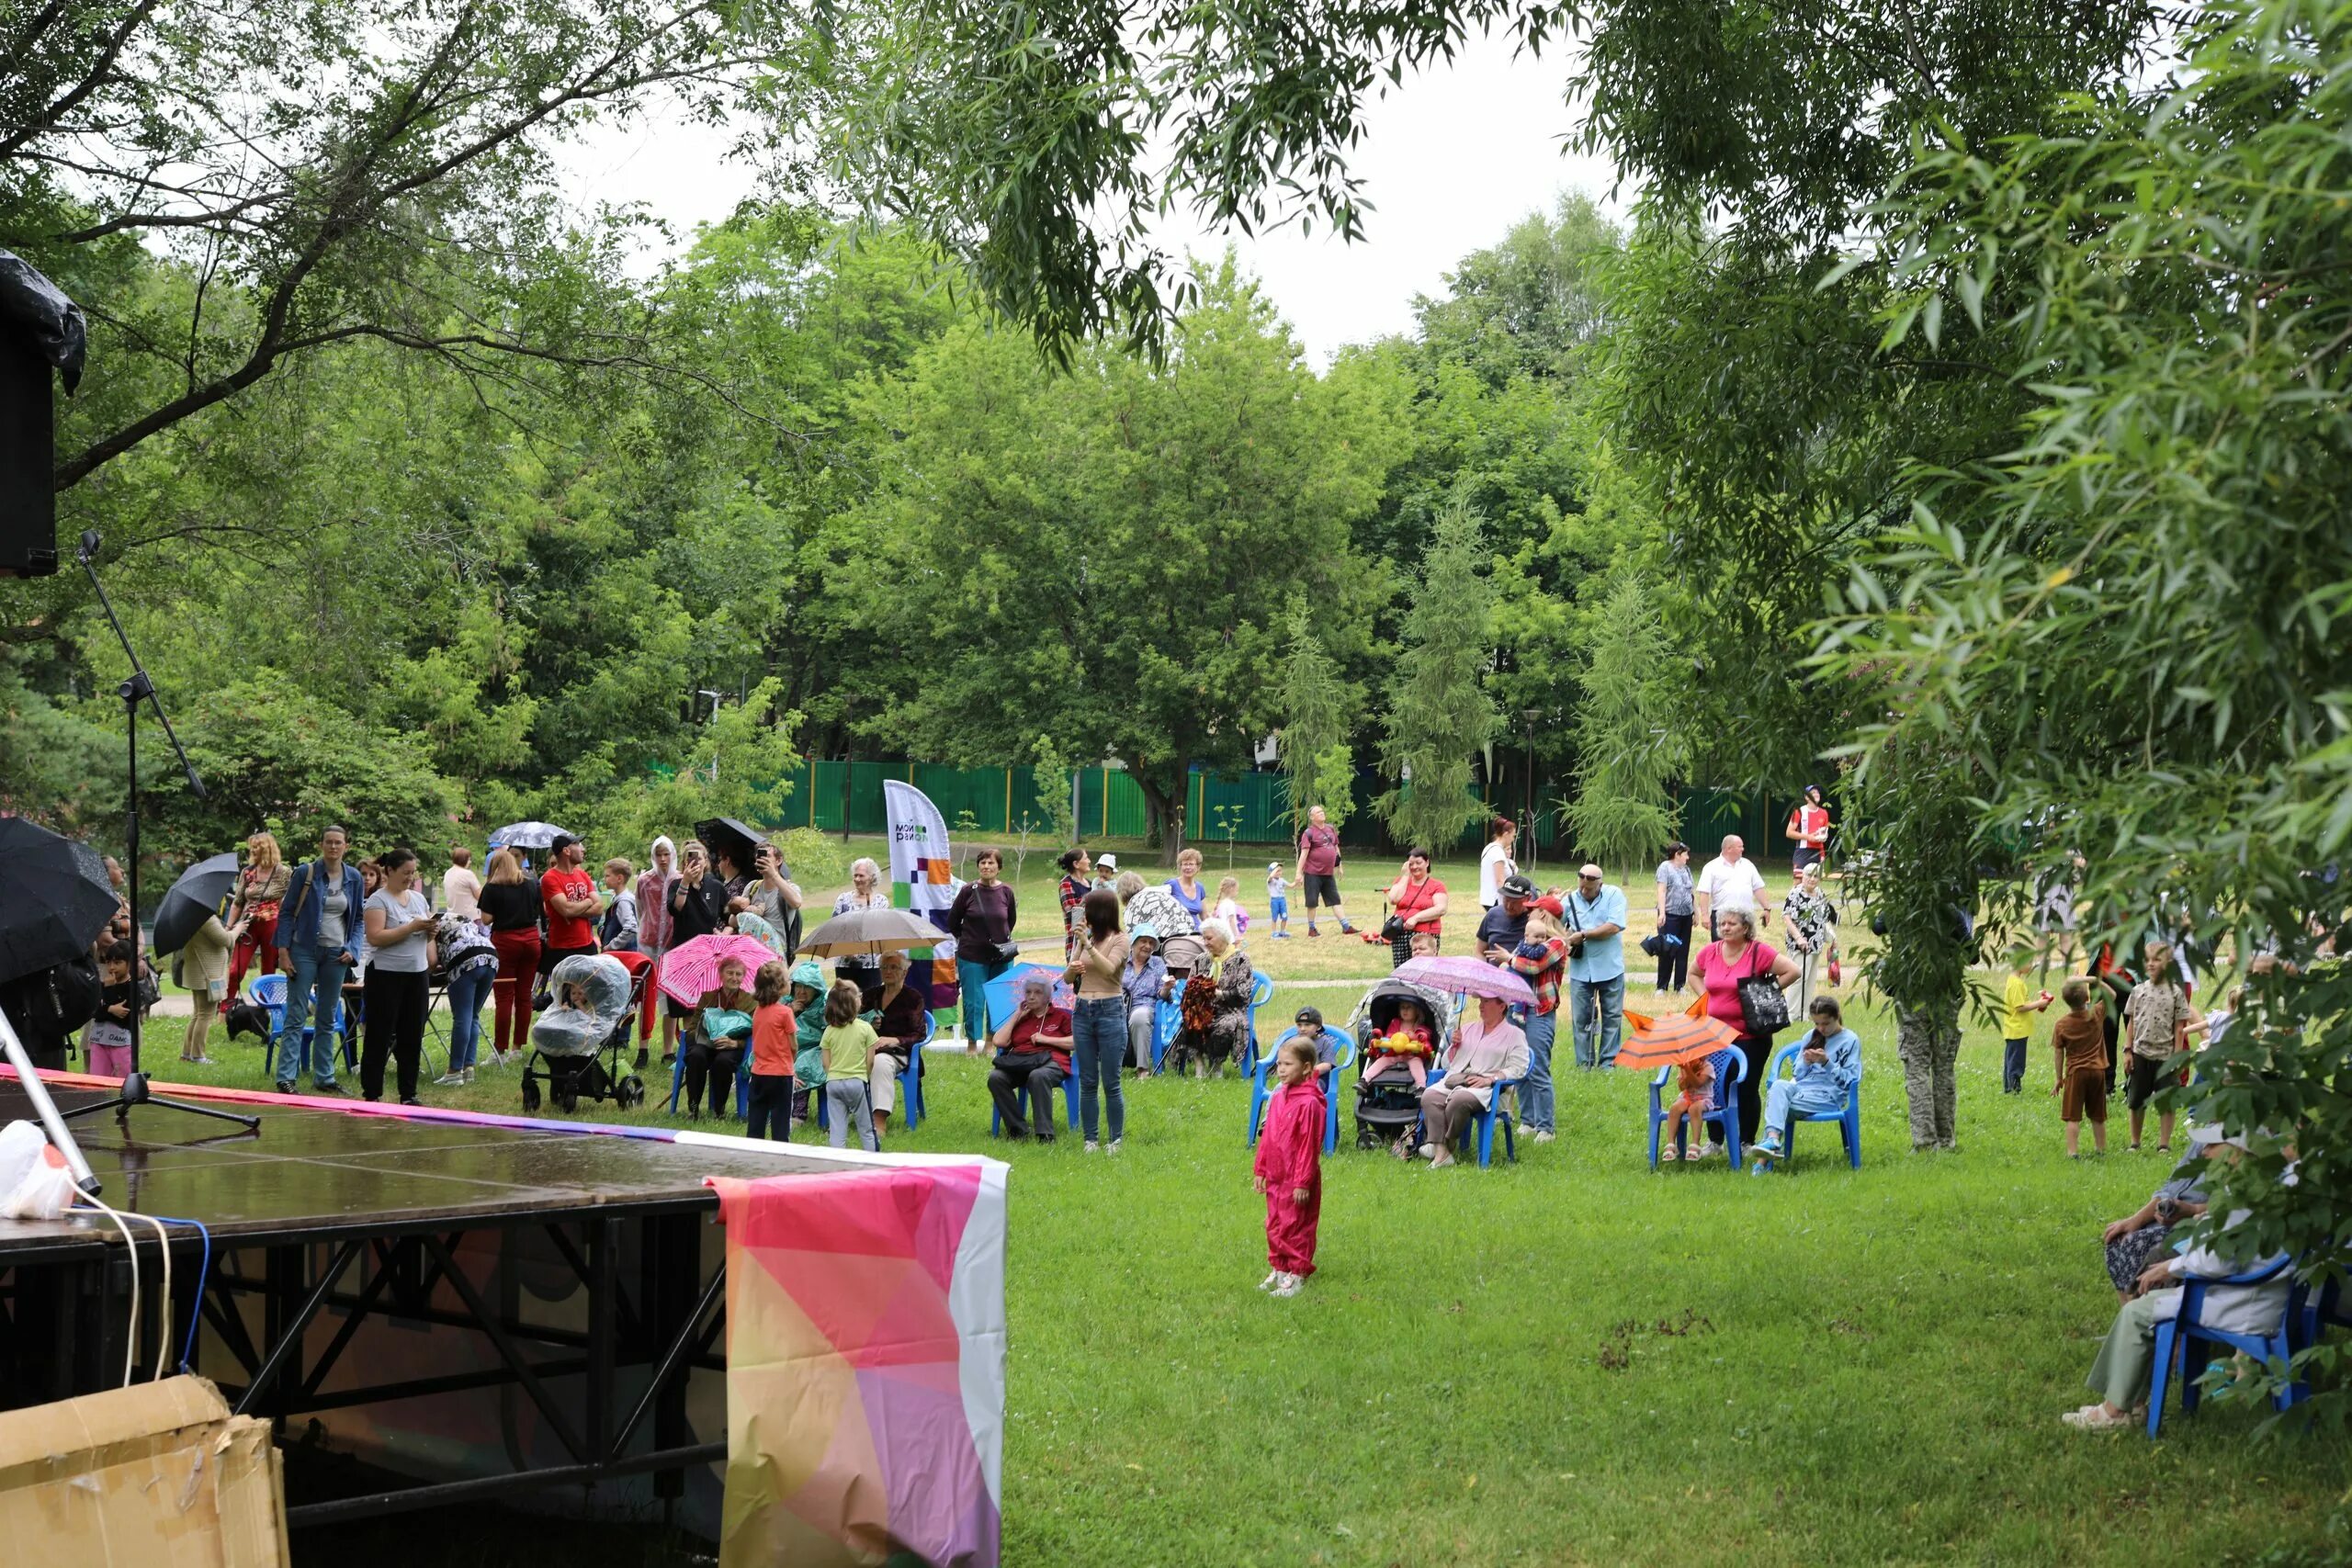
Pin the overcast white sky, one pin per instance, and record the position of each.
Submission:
(1452, 161)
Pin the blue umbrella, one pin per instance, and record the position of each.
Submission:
(525, 835)
(1004, 991)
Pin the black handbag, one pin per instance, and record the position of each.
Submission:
(1762, 1005)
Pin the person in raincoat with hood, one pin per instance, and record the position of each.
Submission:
(809, 1021)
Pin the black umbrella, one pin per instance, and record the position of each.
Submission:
(738, 842)
(194, 899)
(54, 898)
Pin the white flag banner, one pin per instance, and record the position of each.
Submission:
(923, 877)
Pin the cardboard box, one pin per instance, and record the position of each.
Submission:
(156, 1475)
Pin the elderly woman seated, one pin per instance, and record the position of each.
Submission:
(1144, 980)
(1216, 1002)
(1032, 1057)
(2122, 1374)
(901, 1017)
(2134, 1240)
(1486, 1050)
(1829, 1065)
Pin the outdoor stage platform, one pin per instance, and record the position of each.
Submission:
(483, 1307)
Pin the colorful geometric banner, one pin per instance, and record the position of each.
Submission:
(865, 1340)
(923, 878)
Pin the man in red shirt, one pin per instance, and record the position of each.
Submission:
(567, 894)
(1318, 871)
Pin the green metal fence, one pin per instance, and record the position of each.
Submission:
(1242, 808)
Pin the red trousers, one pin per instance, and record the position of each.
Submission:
(260, 942)
(1290, 1228)
(519, 971)
(653, 1003)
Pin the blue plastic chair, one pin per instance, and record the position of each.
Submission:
(1069, 1104)
(2186, 1342)
(1483, 1125)
(1849, 1120)
(1262, 991)
(909, 1082)
(1261, 1089)
(742, 1083)
(269, 990)
(1731, 1070)
(1167, 1019)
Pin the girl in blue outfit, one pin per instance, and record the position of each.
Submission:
(1829, 1064)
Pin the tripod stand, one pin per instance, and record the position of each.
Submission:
(136, 689)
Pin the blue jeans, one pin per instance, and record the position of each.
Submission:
(1536, 1089)
(1098, 1048)
(319, 973)
(1606, 999)
(467, 992)
(972, 995)
(2012, 1065)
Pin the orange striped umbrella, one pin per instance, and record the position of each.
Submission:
(1667, 1042)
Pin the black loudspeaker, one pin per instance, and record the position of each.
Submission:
(28, 455)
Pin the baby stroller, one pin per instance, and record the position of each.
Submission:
(1388, 1108)
(578, 1043)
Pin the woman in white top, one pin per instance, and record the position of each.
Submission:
(1496, 865)
(400, 946)
(866, 891)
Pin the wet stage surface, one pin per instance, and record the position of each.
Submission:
(310, 1172)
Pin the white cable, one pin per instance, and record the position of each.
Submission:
(164, 1335)
(130, 1345)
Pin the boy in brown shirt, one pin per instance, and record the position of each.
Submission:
(2080, 1042)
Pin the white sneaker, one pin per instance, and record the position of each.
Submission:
(1286, 1286)
(1273, 1277)
(1114, 1144)
(469, 1075)
(1705, 1151)
(1093, 1147)
(449, 1080)
(1539, 1137)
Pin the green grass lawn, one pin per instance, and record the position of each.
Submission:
(1571, 1360)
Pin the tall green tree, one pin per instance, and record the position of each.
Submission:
(1440, 713)
(1107, 556)
(1319, 713)
(1628, 733)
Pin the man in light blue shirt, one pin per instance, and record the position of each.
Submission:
(1596, 922)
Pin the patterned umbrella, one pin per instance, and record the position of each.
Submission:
(692, 967)
(1159, 906)
(1667, 1042)
(1472, 977)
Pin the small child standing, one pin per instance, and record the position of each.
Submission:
(1229, 906)
(848, 1048)
(1413, 1024)
(2079, 1040)
(1288, 1169)
(1277, 900)
(2018, 1006)
(775, 1041)
(1697, 1083)
(105, 1044)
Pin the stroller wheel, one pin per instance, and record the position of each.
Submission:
(567, 1095)
(629, 1092)
(530, 1091)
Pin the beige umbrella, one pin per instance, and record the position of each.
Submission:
(863, 933)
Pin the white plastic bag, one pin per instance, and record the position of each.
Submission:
(34, 1178)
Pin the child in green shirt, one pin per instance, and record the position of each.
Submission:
(848, 1050)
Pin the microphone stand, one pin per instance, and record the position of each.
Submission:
(133, 692)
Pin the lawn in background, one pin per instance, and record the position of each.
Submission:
(1573, 1360)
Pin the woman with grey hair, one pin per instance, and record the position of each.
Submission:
(866, 891)
(1226, 970)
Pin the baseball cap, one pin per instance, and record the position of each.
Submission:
(1309, 1015)
(1517, 886)
(1553, 908)
(561, 842)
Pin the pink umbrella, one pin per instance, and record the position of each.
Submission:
(1472, 977)
(692, 967)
